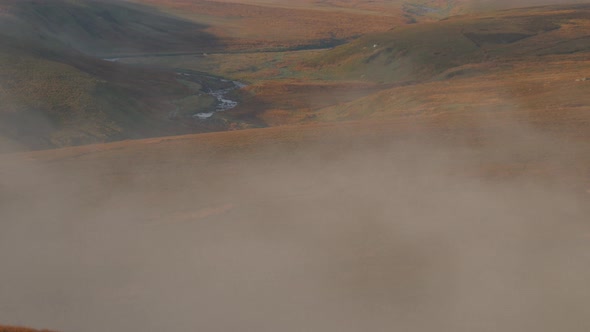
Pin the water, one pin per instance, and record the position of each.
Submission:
(223, 104)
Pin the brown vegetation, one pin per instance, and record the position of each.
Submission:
(248, 26)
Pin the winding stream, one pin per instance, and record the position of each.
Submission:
(224, 104)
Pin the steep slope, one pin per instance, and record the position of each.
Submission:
(106, 28)
(529, 65)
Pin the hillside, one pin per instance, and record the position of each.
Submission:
(52, 98)
(526, 64)
(55, 94)
(551, 93)
(247, 25)
(250, 26)
(419, 52)
(531, 60)
(104, 28)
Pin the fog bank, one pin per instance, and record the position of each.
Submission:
(332, 236)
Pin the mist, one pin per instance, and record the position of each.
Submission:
(319, 234)
(373, 226)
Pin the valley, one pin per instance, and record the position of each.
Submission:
(294, 79)
(273, 165)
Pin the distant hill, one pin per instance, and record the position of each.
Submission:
(526, 64)
(423, 51)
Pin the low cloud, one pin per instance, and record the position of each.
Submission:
(339, 235)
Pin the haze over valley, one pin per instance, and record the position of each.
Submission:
(273, 165)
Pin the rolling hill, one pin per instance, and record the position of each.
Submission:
(419, 52)
(104, 28)
(55, 91)
(252, 26)
(531, 60)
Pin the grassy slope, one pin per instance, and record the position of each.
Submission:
(79, 100)
(52, 95)
(459, 46)
(246, 25)
(527, 63)
(110, 28)
(272, 24)
(550, 94)
(94, 101)
(422, 51)
(280, 24)
(262, 26)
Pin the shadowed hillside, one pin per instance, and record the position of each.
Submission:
(52, 95)
(52, 98)
(106, 28)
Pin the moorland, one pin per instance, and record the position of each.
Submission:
(273, 165)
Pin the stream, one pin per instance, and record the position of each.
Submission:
(224, 104)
